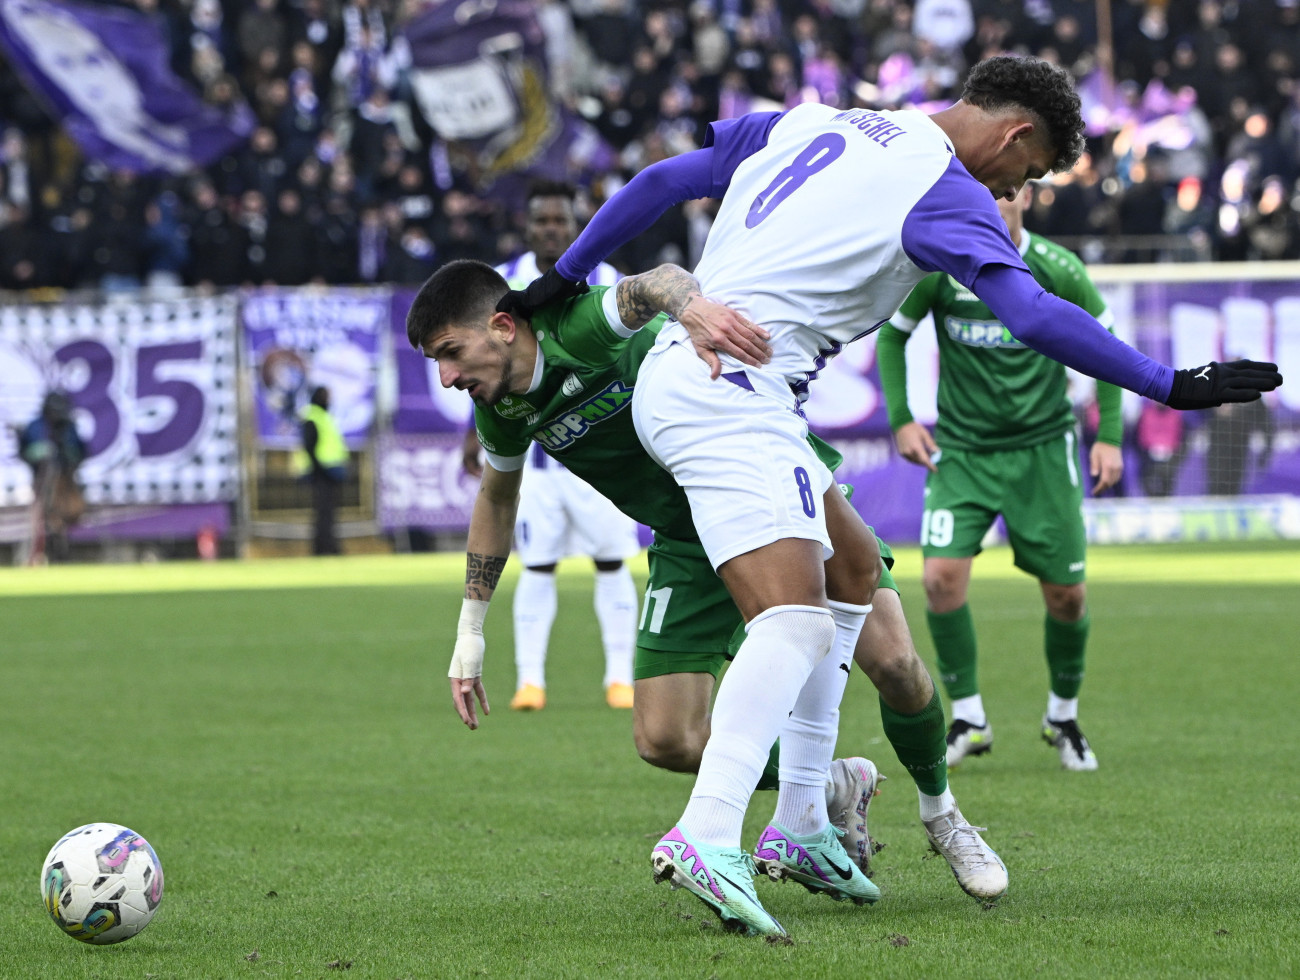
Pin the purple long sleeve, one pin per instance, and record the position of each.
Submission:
(700, 173)
(1065, 333)
(636, 207)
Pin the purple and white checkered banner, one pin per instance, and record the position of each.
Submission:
(154, 390)
(103, 72)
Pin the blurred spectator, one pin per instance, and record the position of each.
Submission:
(216, 241)
(52, 447)
(1237, 433)
(166, 249)
(947, 24)
(1160, 443)
(290, 242)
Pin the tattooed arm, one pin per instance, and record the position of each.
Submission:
(491, 527)
(712, 326)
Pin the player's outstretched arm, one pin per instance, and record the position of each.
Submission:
(1065, 333)
(713, 327)
(490, 529)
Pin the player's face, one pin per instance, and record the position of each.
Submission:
(1019, 158)
(472, 360)
(551, 227)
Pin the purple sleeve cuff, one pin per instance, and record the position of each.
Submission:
(1066, 333)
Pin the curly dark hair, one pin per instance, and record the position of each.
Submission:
(1037, 86)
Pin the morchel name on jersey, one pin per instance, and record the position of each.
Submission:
(573, 425)
(871, 124)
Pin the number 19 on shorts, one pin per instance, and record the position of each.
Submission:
(936, 528)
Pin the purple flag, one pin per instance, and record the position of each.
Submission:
(103, 72)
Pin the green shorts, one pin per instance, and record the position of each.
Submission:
(1037, 490)
(689, 625)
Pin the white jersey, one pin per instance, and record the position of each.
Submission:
(821, 222)
(522, 269)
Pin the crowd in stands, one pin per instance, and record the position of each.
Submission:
(1194, 152)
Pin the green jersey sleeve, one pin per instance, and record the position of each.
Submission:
(918, 303)
(506, 446)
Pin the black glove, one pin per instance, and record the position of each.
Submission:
(546, 288)
(1215, 383)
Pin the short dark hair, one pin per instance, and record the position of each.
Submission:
(1038, 87)
(551, 188)
(463, 291)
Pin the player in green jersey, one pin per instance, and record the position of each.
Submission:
(573, 405)
(1004, 443)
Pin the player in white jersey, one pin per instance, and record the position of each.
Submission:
(560, 514)
(828, 219)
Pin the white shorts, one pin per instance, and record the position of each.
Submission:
(737, 447)
(561, 515)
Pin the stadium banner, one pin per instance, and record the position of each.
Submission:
(421, 482)
(297, 339)
(103, 73)
(1197, 314)
(153, 385)
(423, 404)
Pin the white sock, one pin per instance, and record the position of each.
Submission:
(808, 739)
(534, 614)
(616, 611)
(936, 806)
(1062, 709)
(970, 710)
(782, 646)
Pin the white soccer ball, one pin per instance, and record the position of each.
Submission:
(102, 883)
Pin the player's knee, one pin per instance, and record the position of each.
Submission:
(944, 590)
(676, 750)
(854, 570)
(1066, 603)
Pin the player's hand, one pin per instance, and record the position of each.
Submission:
(1106, 463)
(1216, 383)
(470, 459)
(546, 288)
(466, 671)
(916, 445)
(714, 327)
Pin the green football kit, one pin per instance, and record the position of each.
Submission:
(1006, 428)
(578, 411)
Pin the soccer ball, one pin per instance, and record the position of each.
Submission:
(101, 883)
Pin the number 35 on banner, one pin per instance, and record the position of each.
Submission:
(143, 401)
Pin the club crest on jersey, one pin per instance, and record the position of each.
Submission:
(513, 408)
(572, 385)
(574, 424)
(980, 333)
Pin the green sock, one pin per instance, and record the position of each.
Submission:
(1065, 645)
(953, 634)
(771, 778)
(920, 743)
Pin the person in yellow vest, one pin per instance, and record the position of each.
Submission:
(323, 460)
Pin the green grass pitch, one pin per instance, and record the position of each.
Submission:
(281, 732)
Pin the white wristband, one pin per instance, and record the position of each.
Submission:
(467, 657)
(472, 614)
